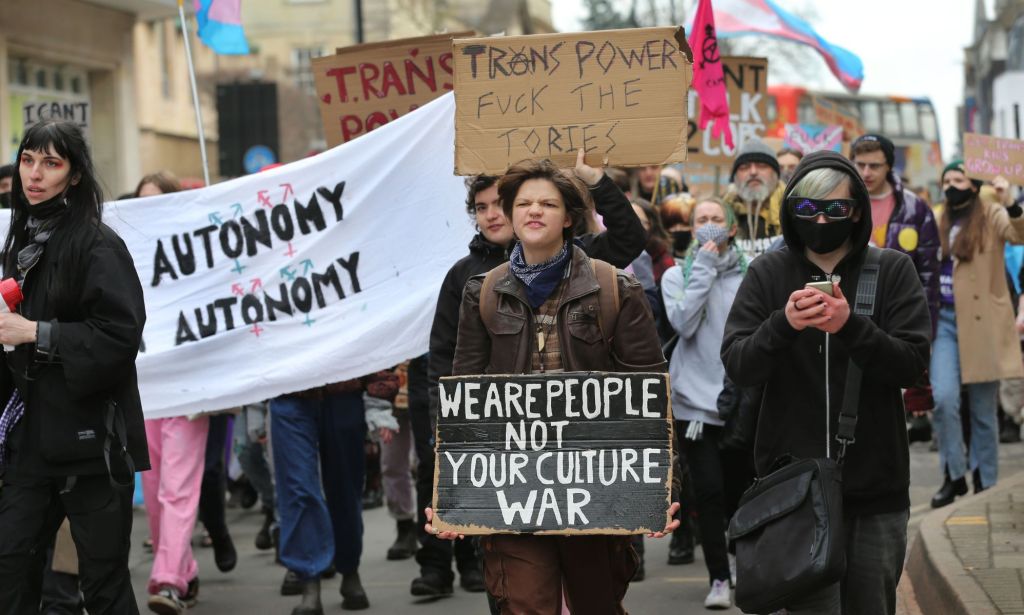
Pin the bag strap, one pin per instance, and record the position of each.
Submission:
(864, 305)
(607, 297)
(488, 306)
(116, 429)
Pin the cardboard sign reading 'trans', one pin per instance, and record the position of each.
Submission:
(988, 157)
(363, 87)
(569, 453)
(619, 94)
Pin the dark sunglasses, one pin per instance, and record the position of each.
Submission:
(834, 209)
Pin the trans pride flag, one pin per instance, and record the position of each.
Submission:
(766, 17)
(220, 26)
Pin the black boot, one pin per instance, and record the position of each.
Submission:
(949, 490)
(310, 604)
(432, 584)
(224, 554)
(978, 487)
(680, 549)
(353, 596)
(265, 537)
(405, 543)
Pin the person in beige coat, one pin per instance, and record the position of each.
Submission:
(976, 344)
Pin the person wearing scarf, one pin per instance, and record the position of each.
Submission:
(698, 295)
(70, 365)
(546, 279)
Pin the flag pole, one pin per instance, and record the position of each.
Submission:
(195, 92)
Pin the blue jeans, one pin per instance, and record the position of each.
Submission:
(321, 521)
(945, 377)
(876, 546)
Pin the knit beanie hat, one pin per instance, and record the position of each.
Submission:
(888, 149)
(754, 150)
(958, 165)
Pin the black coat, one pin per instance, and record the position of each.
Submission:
(804, 373)
(624, 240)
(96, 337)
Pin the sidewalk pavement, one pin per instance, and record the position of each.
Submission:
(968, 557)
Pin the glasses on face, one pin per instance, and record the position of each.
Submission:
(834, 209)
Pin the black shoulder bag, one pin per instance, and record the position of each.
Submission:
(788, 530)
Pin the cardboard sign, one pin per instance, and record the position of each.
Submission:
(569, 453)
(363, 87)
(746, 83)
(72, 111)
(988, 157)
(619, 94)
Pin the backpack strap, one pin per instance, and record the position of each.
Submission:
(607, 298)
(864, 305)
(488, 305)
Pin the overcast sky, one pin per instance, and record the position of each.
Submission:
(909, 47)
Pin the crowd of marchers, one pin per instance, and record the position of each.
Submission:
(711, 289)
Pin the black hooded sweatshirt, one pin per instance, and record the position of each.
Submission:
(802, 370)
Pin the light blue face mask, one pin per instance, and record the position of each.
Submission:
(711, 232)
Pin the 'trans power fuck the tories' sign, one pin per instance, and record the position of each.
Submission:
(569, 453)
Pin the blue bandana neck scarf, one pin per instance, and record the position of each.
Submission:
(541, 279)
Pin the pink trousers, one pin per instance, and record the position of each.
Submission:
(177, 451)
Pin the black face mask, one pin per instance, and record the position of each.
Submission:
(681, 240)
(823, 238)
(955, 197)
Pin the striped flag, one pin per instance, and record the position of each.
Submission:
(220, 26)
(766, 17)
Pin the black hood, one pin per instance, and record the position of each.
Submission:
(829, 160)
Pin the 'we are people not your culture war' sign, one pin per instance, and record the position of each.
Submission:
(568, 453)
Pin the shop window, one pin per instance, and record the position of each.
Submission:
(76, 85)
(41, 79)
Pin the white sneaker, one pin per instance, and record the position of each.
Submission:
(718, 597)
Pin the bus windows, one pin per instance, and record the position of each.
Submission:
(805, 111)
(909, 119)
(891, 120)
(870, 116)
(771, 110)
(929, 128)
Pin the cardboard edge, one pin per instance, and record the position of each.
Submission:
(428, 38)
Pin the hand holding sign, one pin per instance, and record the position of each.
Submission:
(590, 175)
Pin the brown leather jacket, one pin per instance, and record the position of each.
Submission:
(507, 348)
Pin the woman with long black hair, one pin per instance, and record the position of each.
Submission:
(71, 431)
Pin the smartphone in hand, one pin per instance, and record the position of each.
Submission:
(825, 287)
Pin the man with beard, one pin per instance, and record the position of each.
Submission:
(756, 197)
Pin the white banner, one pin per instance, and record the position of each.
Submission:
(315, 272)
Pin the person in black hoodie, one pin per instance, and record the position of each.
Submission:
(624, 240)
(797, 342)
(68, 366)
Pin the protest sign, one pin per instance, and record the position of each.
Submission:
(314, 272)
(618, 94)
(988, 157)
(807, 138)
(746, 84)
(568, 453)
(363, 87)
(77, 112)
